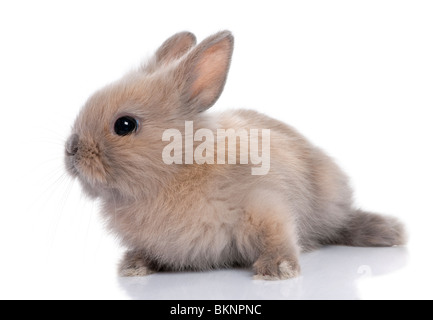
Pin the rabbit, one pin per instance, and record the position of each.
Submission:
(205, 216)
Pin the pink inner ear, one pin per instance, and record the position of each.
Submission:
(211, 71)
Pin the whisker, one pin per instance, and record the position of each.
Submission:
(48, 192)
(40, 164)
(90, 222)
(50, 132)
(57, 143)
(59, 216)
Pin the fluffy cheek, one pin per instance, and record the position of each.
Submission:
(92, 177)
(91, 191)
(92, 170)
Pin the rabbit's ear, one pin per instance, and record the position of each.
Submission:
(203, 72)
(173, 48)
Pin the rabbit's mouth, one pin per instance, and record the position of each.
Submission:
(92, 179)
(83, 160)
(70, 165)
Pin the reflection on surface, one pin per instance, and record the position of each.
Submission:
(330, 273)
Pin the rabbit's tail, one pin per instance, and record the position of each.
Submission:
(365, 229)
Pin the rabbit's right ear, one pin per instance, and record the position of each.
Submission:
(202, 73)
(173, 48)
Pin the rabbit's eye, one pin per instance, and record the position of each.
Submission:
(125, 125)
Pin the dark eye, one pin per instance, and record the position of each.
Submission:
(125, 125)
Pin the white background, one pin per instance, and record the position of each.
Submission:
(355, 77)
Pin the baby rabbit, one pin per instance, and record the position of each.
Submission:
(193, 216)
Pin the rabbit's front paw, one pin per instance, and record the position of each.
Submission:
(136, 271)
(271, 270)
(134, 265)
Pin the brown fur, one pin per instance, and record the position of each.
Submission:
(208, 216)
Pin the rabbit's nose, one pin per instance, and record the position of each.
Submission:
(72, 144)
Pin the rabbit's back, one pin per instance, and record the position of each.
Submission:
(316, 189)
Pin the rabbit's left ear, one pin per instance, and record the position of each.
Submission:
(202, 73)
(173, 48)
